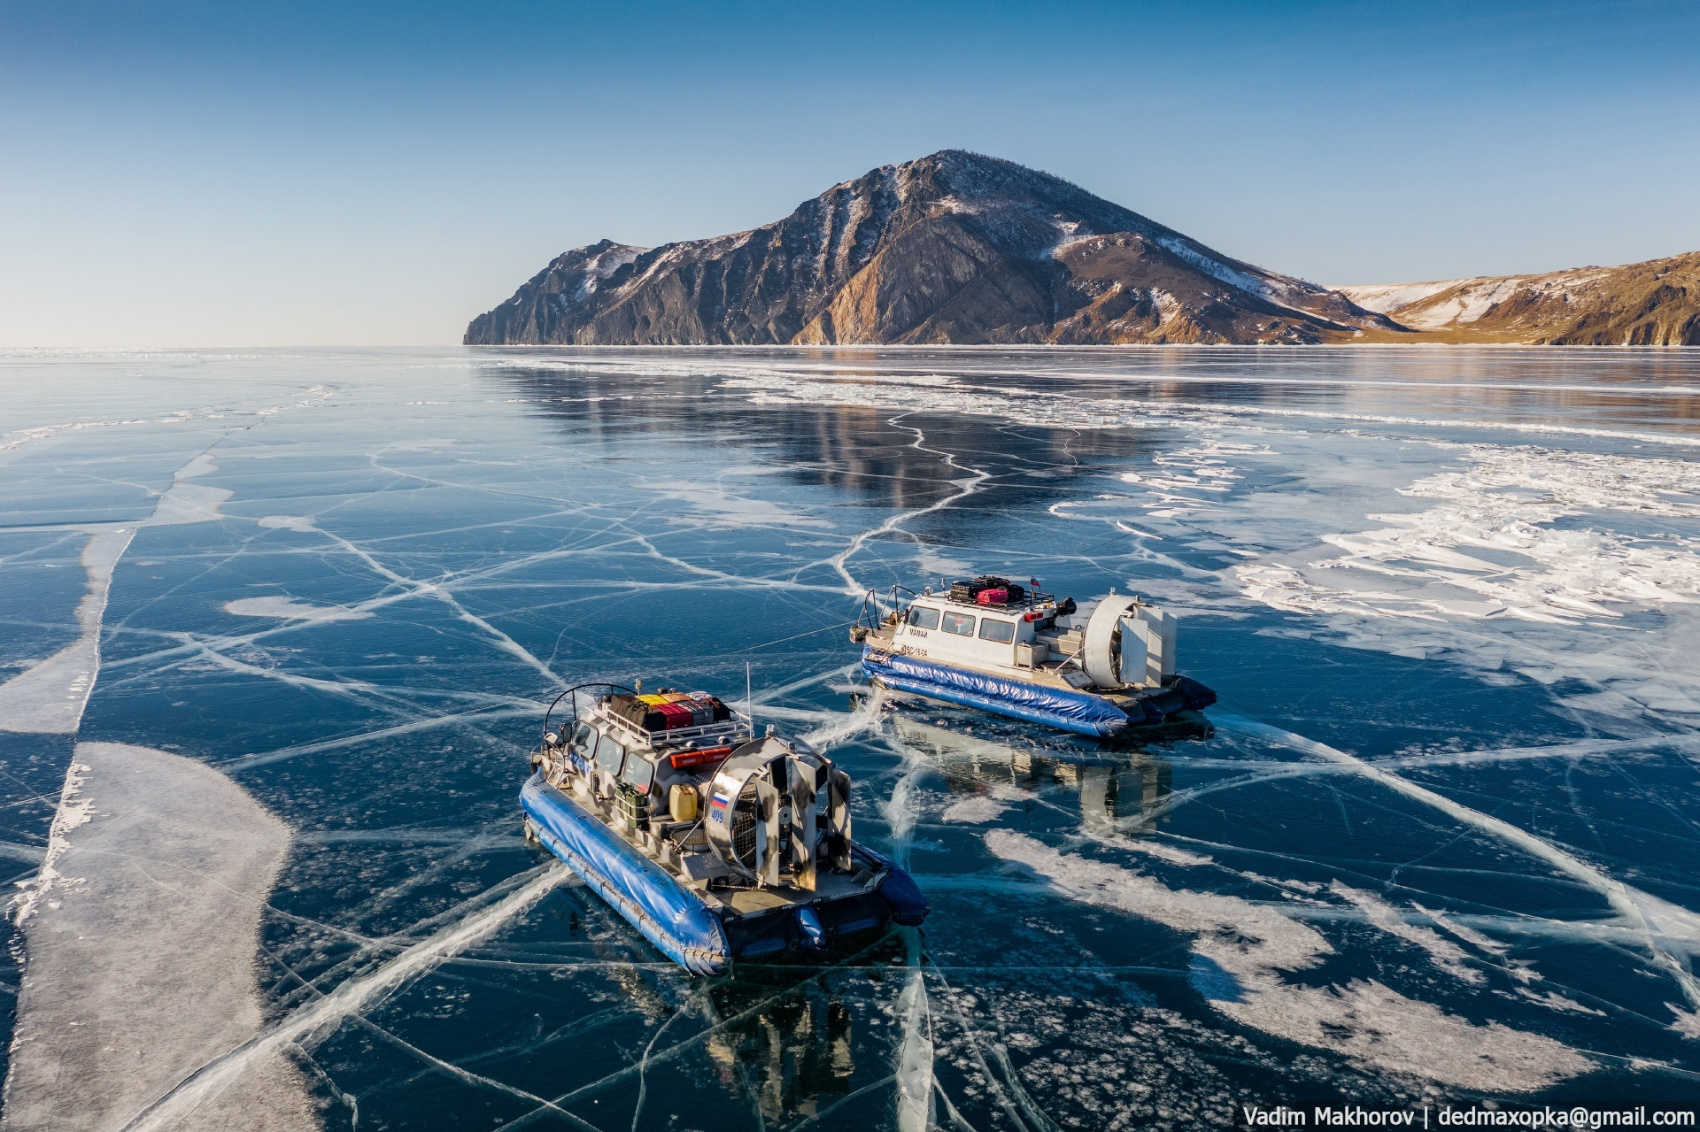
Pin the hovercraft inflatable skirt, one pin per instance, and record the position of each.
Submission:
(667, 913)
(705, 940)
(1080, 712)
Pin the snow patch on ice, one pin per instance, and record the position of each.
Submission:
(1670, 934)
(278, 606)
(1507, 506)
(1169, 853)
(1552, 1000)
(1251, 946)
(1447, 955)
(723, 510)
(1686, 1022)
(73, 813)
(1469, 935)
(976, 810)
(288, 523)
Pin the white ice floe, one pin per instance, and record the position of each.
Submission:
(1245, 952)
(915, 1057)
(210, 1081)
(50, 696)
(291, 610)
(189, 503)
(144, 968)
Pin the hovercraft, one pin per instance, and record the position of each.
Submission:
(1104, 669)
(714, 843)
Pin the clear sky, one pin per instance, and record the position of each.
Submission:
(345, 173)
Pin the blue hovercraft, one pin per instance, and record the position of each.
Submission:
(1105, 669)
(714, 843)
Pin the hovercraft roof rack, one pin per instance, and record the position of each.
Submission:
(968, 591)
(682, 736)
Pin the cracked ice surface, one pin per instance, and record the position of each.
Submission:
(1441, 847)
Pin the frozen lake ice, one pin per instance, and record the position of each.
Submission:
(1441, 848)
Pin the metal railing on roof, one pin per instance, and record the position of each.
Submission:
(737, 725)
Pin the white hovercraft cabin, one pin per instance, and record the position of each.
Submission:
(1102, 669)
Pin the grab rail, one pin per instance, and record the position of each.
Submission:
(588, 684)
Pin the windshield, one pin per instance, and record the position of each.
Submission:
(583, 740)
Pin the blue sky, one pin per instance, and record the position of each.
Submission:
(378, 173)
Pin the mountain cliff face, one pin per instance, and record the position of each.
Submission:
(954, 247)
(1656, 303)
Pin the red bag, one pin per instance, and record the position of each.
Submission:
(677, 715)
(999, 596)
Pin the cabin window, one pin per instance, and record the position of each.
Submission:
(640, 772)
(584, 739)
(609, 755)
(923, 618)
(961, 624)
(992, 629)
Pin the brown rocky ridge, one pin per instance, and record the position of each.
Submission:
(951, 248)
(1655, 303)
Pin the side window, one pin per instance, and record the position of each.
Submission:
(923, 618)
(609, 755)
(962, 624)
(1002, 632)
(640, 772)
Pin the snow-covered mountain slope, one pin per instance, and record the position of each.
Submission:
(1655, 303)
(954, 247)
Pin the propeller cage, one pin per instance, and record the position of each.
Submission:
(1129, 643)
(778, 813)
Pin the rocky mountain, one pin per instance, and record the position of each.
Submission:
(954, 247)
(1656, 303)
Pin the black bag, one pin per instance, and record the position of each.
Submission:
(637, 713)
(969, 591)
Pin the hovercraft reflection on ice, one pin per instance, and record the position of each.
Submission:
(1127, 790)
(1105, 669)
(714, 843)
